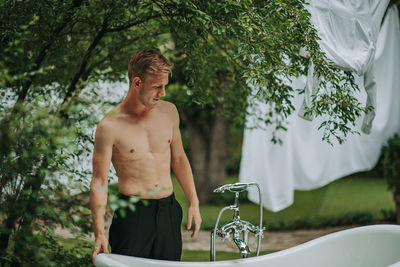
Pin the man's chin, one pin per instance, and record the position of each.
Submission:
(152, 104)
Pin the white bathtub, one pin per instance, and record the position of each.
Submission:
(368, 246)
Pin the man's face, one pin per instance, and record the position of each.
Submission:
(152, 89)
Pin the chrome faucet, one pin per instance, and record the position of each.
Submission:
(238, 228)
(243, 247)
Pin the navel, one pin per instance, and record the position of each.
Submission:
(132, 150)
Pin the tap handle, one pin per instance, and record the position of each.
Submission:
(259, 232)
(224, 234)
(234, 188)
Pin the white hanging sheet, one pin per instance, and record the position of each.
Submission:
(304, 161)
(348, 32)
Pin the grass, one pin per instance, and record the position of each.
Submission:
(70, 243)
(200, 255)
(353, 194)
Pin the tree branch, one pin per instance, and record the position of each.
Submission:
(39, 59)
(85, 60)
(93, 45)
(89, 69)
(131, 24)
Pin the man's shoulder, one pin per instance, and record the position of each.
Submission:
(111, 117)
(108, 122)
(170, 110)
(168, 106)
(105, 126)
(113, 114)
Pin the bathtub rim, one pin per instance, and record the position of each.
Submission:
(314, 242)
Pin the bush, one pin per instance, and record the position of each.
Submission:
(48, 253)
(388, 216)
(60, 256)
(391, 169)
(348, 218)
(391, 163)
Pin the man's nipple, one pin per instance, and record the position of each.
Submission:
(132, 150)
(169, 141)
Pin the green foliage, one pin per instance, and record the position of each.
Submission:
(388, 215)
(50, 252)
(229, 42)
(391, 163)
(51, 50)
(257, 43)
(34, 151)
(348, 218)
(58, 255)
(36, 144)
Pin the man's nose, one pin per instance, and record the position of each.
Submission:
(162, 91)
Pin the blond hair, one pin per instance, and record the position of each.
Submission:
(149, 61)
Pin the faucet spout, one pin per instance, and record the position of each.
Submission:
(243, 248)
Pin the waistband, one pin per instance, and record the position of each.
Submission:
(151, 201)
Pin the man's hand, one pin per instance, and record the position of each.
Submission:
(101, 244)
(194, 215)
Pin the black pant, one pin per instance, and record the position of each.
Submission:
(151, 231)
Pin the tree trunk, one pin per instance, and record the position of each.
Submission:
(396, 198)
(5, 235)
(23, 213)
(198, 155)
(218, 151)
(209, 150)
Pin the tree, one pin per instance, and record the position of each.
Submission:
(391, 169)
(249, 44)
(51, 50)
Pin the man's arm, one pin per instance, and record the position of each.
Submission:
(99, 185)
(183, 172)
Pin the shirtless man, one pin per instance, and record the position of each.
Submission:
(141, 137)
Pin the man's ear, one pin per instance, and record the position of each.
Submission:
(136, 81)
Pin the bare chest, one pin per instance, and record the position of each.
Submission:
(140, 139)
